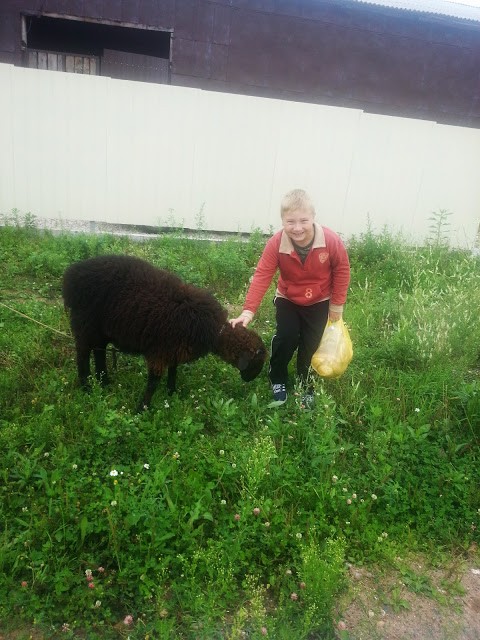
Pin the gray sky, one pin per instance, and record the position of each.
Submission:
(472, 3)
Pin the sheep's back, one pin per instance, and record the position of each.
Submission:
(142, 309)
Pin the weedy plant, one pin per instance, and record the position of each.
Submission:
(213, 515)
(439, 228)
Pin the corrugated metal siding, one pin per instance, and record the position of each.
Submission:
(458, 10)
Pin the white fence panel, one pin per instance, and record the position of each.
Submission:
(77, 147)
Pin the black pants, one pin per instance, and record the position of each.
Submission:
(298, 327)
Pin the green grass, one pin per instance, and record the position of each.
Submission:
(213, 515)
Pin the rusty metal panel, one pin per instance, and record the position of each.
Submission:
(130, 11)
(185, 18)
(200, 59)
(112, 10)
(221, 25)
(204, 21)
(55, 6)
(158, 14)
(349, 64)
(9, 31)
(75, 8)
(94, 8)
(267, 6)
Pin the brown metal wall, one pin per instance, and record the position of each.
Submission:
(339, 53)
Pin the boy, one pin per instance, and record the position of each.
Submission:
(312, 287)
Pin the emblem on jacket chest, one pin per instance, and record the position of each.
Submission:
(323, 256)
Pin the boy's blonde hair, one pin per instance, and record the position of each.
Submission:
(296, 199)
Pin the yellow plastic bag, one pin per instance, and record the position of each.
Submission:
(334, 351)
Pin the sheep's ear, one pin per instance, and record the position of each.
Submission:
(243, 361)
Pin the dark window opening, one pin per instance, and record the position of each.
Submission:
(128, 53)
(90, 39)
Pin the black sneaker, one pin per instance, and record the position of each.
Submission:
(279, 393)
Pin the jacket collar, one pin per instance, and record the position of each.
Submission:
(286, 245)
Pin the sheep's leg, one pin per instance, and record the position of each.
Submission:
(152, 384)
(83, 363)
(171, 379)
(100, 357)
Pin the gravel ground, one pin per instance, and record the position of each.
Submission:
(134, 232)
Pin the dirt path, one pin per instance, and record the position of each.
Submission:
(414, 603)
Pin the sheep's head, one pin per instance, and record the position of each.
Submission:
(242, 348)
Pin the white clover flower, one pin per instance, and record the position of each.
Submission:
(24, 509)
(417, 410)
(176, 455)
(167, 406)
(113, 503)
(98, 603)
(334, 479)
(146, 466)
(298, 535)
(374, 497)
(221, 452)
(114, 473)
(74, 466)
(234, 466)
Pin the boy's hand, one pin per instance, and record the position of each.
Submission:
(243, 319)
(334, 316)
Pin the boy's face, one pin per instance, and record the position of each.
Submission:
(298, 226)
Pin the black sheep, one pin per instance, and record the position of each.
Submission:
(141, 309)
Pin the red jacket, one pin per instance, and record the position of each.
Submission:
(325, 275)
